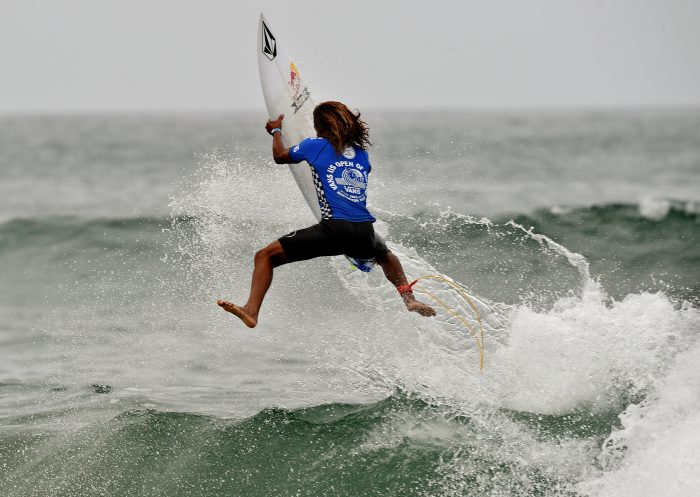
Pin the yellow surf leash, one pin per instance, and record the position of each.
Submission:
(479, 337)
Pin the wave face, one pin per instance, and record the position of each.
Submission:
(120, 376)
(398, 446)
(392, 447)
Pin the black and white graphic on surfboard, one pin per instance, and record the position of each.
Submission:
(299, 96)
(269, 44)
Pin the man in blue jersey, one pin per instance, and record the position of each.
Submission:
(340, 168)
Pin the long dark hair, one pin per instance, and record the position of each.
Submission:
(340, 126)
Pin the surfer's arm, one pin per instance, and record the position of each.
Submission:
(279, 152)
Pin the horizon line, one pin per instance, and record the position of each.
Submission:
(383, 109)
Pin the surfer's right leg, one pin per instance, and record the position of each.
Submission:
(266, 260)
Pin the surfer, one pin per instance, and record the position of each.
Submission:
(340, 167)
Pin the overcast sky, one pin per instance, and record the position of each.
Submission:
(94, 55)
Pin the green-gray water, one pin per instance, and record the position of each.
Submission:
(576, 232)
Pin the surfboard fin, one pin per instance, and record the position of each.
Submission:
(364, 265)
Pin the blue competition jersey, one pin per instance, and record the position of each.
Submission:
(340, 179)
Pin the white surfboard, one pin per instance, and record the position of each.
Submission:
(286, 92)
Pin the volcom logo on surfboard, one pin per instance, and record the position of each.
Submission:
(269, 44)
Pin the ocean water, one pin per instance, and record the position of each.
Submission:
(575, 235)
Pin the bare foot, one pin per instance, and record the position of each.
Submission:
(420, 308)
(248, 319)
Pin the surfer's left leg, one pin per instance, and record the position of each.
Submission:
(266, 260)
(391, 265)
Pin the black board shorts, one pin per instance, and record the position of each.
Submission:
(333, 237)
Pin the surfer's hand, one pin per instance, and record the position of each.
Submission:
(272, 124)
